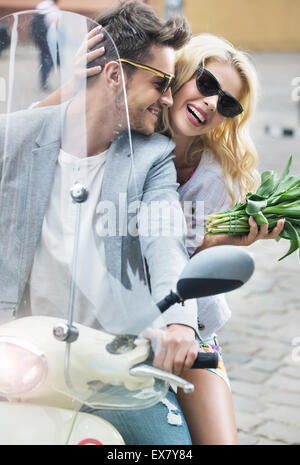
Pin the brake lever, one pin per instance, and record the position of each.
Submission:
(149, 372)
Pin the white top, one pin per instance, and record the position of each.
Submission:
(207, 192)
(54, 254)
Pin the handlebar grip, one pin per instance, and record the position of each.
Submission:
(206, 360)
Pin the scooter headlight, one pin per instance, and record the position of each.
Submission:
(23, 367)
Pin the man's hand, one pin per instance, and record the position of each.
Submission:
(175, 348)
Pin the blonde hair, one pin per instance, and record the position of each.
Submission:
(230, 142)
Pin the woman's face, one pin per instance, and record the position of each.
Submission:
(188, 97)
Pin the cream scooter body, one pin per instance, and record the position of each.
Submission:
(50, 413)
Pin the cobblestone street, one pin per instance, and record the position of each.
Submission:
(261, 343)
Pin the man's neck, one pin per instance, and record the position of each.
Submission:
(87, 129)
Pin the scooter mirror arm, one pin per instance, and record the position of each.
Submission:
(168, 301)
(149, 371)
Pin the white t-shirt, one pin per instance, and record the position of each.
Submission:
(54, 258)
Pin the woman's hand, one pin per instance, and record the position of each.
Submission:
(83, 56)
(254, 235)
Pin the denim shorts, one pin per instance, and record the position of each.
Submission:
(162, 424)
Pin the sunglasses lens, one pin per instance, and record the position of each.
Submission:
(165, 84)
(229, 106)
(207, 84)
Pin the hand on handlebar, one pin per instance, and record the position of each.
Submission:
(175, 348)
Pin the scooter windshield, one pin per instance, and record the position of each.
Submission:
(74, 191)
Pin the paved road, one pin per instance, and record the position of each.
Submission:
(261, 343)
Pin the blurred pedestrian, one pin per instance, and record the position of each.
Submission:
(4, 38)
(42, 23)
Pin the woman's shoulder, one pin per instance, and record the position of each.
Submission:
(209, 162)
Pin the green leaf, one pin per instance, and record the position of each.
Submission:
(260, 219)
(292, 193)
(285, 172)
(285, 209)
(285, 185)
(253, 207)
(267, 184)
(293, 237)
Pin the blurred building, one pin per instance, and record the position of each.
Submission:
(271, 25)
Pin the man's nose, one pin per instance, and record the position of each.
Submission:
(167, 98)
(211, 102)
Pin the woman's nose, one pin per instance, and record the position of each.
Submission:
(211, 102)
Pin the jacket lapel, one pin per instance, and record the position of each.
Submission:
(114, 191)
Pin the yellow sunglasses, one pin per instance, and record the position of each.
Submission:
(167, 79)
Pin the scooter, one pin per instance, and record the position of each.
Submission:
(42, 388)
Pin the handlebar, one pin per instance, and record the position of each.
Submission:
(203, 360)
(206, 360)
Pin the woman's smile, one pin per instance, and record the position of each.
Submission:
(196, 115)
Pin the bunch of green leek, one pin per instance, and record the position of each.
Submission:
(276, 198)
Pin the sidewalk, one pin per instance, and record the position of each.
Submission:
(261, 343)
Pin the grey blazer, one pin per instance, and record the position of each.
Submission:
(28, 156)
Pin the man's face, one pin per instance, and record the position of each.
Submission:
(145, 100)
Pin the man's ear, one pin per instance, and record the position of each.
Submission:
(113, 74)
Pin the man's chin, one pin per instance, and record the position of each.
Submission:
(146, 131)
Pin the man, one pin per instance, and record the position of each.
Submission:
(147, 44)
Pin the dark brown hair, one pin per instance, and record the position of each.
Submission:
(135, 28)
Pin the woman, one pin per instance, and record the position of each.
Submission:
(214, 96)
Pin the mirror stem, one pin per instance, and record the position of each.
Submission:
(168, 301)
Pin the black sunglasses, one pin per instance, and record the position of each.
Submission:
(208, 85)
